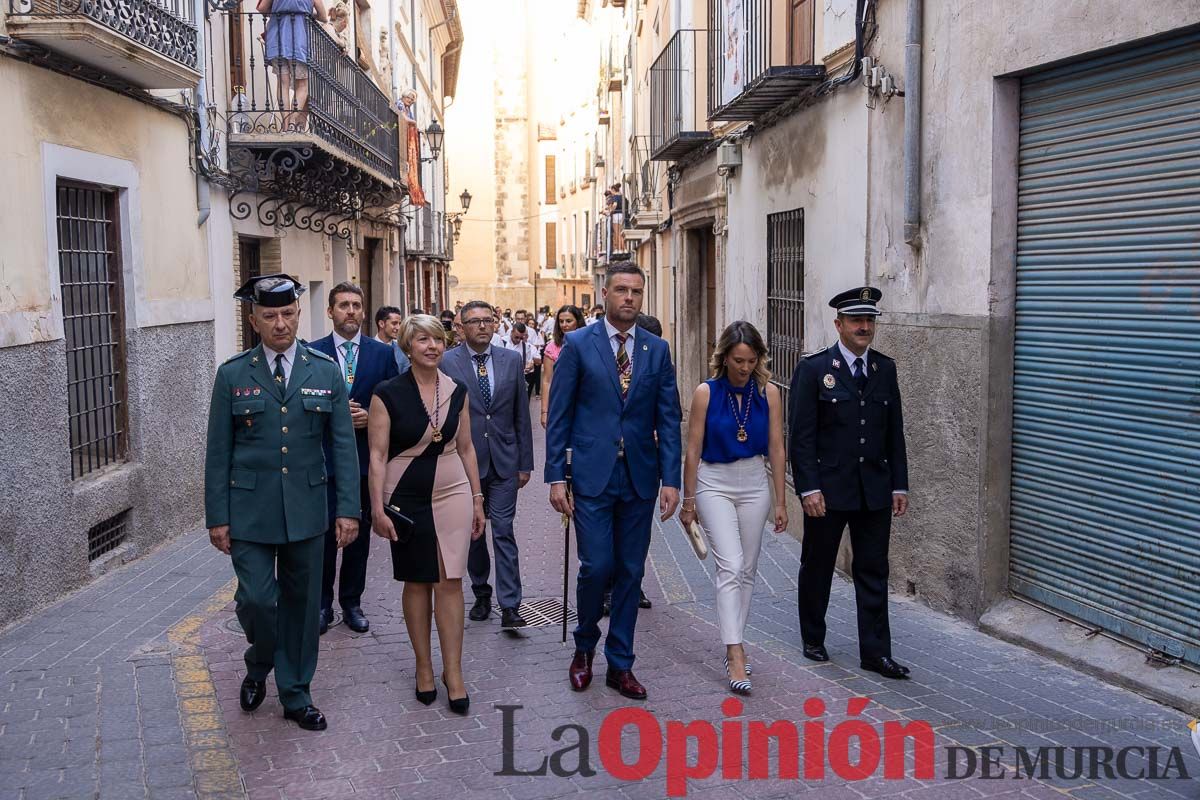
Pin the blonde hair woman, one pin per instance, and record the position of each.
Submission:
(423, 464)
(736, 420)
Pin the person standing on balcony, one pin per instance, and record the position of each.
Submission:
(288, 50)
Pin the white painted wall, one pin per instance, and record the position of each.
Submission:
(966, 47)
(815, 160)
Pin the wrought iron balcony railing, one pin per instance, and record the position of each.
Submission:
(677, 119)
(291, 77)
(429, 234)
(765, 56)
(99, 33)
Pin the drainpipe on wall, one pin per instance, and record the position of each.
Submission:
(912, 123)
(203, 190)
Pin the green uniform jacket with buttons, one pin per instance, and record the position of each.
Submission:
(264, 471)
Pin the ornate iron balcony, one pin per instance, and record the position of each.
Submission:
(293, 81)
(149, 43)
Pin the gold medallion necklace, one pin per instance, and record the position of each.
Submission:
(436, 436)
(742, 419)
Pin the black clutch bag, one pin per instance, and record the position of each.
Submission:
(403, 524)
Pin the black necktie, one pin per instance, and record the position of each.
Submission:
(860, 373)
(280, 377)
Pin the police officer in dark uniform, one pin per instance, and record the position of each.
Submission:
(850, 468)
(265, 478)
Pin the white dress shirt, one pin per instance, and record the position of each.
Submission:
(527, 350)
(849, 357)
(487, 362)
(497, 340)
(338, 341)
(289, 358)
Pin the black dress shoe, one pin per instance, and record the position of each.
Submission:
(252, 694)
(481, 610)
(510, 618)
(816, 652)
(355, 619)
(643, 601)
(886, 667)
(326, 619)
(308, 718)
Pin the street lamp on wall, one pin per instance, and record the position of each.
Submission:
(457, 218)
(434, 135)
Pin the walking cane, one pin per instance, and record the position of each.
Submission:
(566, 518)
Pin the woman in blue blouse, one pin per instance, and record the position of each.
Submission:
(736, 421)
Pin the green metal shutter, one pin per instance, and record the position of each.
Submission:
(1106, 416)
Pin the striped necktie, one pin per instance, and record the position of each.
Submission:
(624, 370)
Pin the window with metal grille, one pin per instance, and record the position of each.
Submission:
(785, 296)
(94, 326)
(108, 535)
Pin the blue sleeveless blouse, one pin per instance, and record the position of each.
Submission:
(720, 427)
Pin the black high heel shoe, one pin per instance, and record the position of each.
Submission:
(426, 698)
(458, 705)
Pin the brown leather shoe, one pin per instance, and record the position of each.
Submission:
(581, 670)
(623, 681)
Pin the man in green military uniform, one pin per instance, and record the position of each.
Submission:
(265, 491)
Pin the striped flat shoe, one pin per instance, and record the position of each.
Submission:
(749, 672)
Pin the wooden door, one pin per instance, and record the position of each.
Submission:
(800, 32)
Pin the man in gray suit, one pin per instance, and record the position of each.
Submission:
(503, 437)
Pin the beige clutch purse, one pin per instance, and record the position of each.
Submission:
(696, 537)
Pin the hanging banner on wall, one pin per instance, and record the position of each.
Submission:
(415, 195)
(733, 49)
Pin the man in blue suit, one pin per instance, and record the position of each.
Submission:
(364, 362)
(614, 404)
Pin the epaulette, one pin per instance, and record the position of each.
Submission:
(236, 356)
(319, 354)
(881, 356)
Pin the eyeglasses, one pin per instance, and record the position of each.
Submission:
(478, 322)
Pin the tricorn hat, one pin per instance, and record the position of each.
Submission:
(860, 302)
(270, 290)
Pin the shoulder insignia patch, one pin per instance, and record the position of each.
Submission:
(314, 352)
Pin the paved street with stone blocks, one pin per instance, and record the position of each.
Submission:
(128, 689)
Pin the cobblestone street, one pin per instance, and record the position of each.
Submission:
(129, 688)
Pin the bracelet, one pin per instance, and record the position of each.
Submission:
(477, 494)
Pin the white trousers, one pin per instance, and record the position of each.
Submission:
(733, 502)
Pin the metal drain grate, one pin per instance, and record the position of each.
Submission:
(108, 535)
(547, 611)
